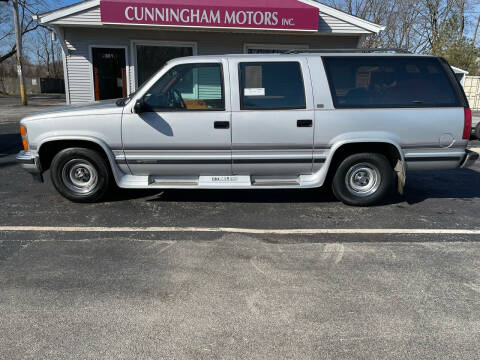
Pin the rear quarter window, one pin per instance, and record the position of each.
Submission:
(389, 82)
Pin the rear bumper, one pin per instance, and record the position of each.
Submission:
(30, 163)
(469, 159)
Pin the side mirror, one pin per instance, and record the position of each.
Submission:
(139, 107)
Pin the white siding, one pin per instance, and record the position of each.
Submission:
(79, 75)
(90, 17)
(208, 84)
(330, 24)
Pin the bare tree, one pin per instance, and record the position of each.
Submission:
(416, 25)
(27, 8)
(47, 52)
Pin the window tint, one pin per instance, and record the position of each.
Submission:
(272, 85)
(188, 87)
(366, 82)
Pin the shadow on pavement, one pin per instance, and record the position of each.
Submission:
(10, 144)
(454, 184)
(224, 196)
(248, 196)
(7, 164)
(450, 184)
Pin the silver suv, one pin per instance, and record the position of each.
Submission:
(357, 121)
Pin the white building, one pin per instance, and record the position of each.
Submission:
(110, 47)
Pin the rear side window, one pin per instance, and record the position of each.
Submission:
(386, 82)
(271, 85)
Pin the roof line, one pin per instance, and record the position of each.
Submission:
(67, 10)
(339, 14)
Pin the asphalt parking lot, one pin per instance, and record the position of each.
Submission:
(230, 275)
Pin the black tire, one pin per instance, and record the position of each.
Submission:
(80, 175)
(363, 179)
(477, 131)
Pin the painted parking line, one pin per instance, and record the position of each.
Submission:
(57, 229)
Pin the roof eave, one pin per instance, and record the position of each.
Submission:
(339, 14)
(51, 16)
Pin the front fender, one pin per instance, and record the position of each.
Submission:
(117, 172)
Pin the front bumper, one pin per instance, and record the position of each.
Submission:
(469, 159)
(31, 162)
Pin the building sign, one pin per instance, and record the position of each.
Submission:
(249, 14)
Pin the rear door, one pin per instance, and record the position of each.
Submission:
(272, 117)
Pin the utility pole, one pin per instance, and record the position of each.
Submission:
(18, 38)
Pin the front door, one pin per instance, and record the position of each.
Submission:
(109, 73)
(185, 129)
(272, 118)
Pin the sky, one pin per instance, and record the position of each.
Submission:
(55, 4)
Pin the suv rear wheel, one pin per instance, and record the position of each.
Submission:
(363, 179)
(80, 175)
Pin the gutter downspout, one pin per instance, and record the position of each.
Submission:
(61, 36)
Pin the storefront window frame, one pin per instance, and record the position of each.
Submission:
(159, 43)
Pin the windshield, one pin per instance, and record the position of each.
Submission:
(124, 101)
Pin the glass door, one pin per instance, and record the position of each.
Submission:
(109, 73)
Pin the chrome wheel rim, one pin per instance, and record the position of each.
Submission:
(363, 179)
(80, 176)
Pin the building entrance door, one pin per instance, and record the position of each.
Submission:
(109, 73)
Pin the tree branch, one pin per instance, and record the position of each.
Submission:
(9, 54)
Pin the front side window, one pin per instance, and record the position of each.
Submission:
(381, 82)
(188, 87)
(271, 85)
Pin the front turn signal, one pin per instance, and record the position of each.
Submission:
(23, 132)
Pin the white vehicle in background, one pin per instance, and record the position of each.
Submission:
(476, 127)
(357, 120)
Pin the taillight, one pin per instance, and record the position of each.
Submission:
(467, 126)
(23, 133)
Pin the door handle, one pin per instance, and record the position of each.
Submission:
(304, 123)
(221, 125)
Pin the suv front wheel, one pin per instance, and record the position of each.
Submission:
(80, 175)
(363, 179)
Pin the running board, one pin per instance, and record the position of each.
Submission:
(221, 181)
(276, 182)
(152, 181)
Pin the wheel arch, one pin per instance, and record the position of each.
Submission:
(390, 149)
(51, 146)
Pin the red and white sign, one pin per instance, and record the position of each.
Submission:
(245, 14)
